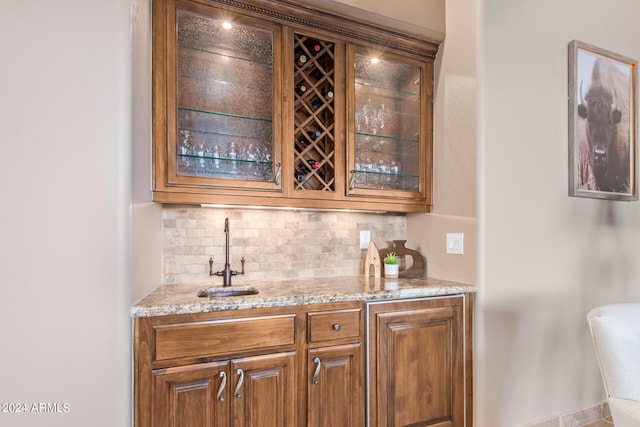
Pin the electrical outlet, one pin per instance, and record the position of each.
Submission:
(365, 238)
(455, 243)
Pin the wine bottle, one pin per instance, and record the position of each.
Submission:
(312, 136)
(301, 89)
(302, 172)
(313, 163)
(328, 95)
(301, 59)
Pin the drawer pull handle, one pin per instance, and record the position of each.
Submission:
(223, 384)
(316, 360)
(240, 381)
(336, 326)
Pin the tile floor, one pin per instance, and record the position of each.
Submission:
(605, 422)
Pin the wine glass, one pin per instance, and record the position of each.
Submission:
(215, 154)
(201, 161)
(383, 171)
(394, 171)
(232, 154)
(184, 149)
(250, 154)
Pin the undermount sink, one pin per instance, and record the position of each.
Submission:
(227, 292)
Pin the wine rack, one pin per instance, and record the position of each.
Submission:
(314, 136)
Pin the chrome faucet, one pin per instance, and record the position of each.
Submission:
(227, 272)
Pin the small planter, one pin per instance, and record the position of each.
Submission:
(391, 265)
(391, 270)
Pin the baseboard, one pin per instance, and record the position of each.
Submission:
(577, 418)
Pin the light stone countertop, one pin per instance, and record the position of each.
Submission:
(182, 298)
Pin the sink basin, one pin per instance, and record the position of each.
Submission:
(227, 292)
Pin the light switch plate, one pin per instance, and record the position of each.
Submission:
(455, 243)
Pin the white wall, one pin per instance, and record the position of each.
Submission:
(146, 216)
(454, 152)
(545, 258)
(65, 132)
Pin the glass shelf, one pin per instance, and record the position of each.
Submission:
(361, 86)
(224, 55)
(218, 120)
(224, 168)
(368, 136)
(386, 181)
(198, 64)
(367, 143)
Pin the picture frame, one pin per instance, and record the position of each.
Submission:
(602, 124)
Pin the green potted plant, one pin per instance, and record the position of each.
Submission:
(391, 266)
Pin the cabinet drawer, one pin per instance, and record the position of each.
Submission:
(223, 337)
(333, 325)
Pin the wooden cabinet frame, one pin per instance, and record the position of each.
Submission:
(285, 18)
(332, 336)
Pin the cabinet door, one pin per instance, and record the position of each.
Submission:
(191, 396)
(335, 392)
(264, 391)
(214, 125)
(416, 359)
(389, 144)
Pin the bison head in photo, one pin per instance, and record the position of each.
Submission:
(608, 161)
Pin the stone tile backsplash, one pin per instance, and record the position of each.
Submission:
(276, 244)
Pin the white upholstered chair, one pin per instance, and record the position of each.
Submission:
(616, 336)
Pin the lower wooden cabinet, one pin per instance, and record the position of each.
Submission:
(416, 363)
(305, 366)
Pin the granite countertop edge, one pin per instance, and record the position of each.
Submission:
(173, 299)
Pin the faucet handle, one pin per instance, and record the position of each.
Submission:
(235, 273)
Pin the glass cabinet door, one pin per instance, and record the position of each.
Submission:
(387, 149)
(224, 128)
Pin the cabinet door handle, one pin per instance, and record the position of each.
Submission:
(240, 381)
(278, 173)
(353, 179)
(223, 384)
(336, 326)
(316, 360)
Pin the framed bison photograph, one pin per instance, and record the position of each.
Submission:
(602, 124)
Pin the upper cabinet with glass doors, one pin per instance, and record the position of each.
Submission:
(279, 105)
